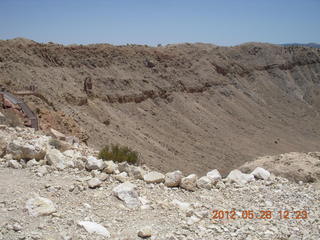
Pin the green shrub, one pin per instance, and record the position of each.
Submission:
(119, 154)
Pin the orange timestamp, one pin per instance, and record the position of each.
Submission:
(262, 214)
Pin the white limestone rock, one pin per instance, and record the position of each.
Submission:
(183, 206)
(261, 173)
(192, 220)
(92, 227)
(32, 163)
(122, 177)
(94, 183)
(40, 206)
(236, 176)
(56, 159)
(42, 170)
(110, 167)
(95, 164)
(153, 177)
(127, 193)
(189, 182)
(14, 164)
(214, 175)
(20, 149)
(205, 182)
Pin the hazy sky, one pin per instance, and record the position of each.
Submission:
(222, 22)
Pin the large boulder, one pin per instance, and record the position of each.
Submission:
(22, 149)
(189, 182)
(236, 176)
(261, 173)
(40, 206)
(205, 182)
(293, 166)
(173, 179)
(127, 193)
(94, 163)
(76, 157)
(56, 159)
(153, 177)
(214, 175)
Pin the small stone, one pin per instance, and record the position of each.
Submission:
(183, 206)
(95, 173)
(220, 185)
(122, 177)
(173, 179)
(145, 232)
(103, 176)
(192, 220)
(94, 183)
(110, 167)
(87, 205)
(92, 227)
(189, 182)
(40, 206)
(8, 157)
(17, 227)
(32, 163)
(14, 164)
(124, 167)
(153, 177)
(261, 173)
(42, 170)
(79, 164)
(268, 203)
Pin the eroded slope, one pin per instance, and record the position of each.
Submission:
(192, 107)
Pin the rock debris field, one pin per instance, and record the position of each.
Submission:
(65, 194)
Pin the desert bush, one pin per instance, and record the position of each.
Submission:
(119, 154)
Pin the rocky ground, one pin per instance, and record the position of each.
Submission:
(192, 107)
(46, 193)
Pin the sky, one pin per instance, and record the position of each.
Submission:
(152, 22)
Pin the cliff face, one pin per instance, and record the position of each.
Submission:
(192, 107)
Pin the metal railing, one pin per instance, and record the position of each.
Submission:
(24, 107)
